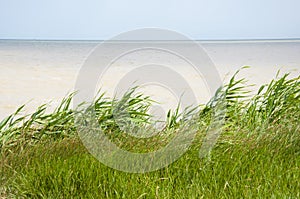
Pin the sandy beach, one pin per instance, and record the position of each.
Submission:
(36, 72)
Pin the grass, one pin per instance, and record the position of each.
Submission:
(256, 156)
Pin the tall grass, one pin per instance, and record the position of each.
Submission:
(257, 155)
(22, 130)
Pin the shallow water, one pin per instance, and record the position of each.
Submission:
(36, 72)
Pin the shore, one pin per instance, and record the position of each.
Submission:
(36, 72)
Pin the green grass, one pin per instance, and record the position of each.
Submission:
(257, 155)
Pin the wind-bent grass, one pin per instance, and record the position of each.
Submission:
(257, 155)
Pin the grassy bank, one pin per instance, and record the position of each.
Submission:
(257, 155)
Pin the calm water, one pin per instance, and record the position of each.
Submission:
(38, 72)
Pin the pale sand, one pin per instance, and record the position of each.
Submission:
(39, 72)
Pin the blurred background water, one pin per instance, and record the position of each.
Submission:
(36, 72)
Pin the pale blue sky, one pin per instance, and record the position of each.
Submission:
(102, 19)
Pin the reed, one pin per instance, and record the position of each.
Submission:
(257, 155)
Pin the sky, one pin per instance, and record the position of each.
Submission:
(103, 19)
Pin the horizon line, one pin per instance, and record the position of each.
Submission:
(140, 40)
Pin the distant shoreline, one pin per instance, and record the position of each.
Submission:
(139, 41)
